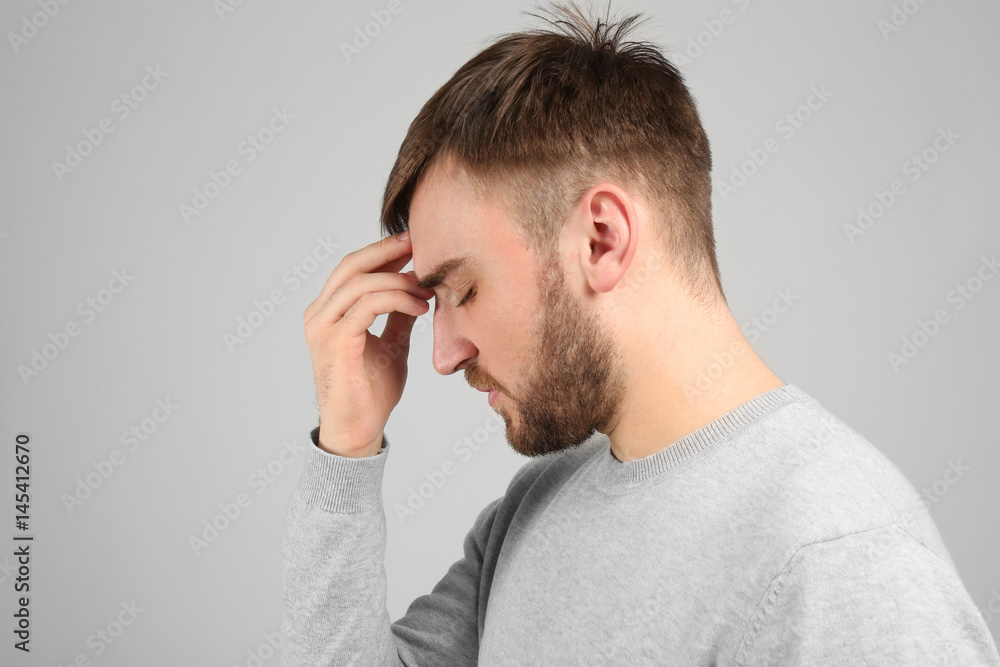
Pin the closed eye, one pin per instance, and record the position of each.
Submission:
(468, 297)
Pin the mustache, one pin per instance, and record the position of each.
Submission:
(476, 379)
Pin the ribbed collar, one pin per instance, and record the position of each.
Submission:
(613, 475)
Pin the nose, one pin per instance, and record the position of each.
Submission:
(452, 350)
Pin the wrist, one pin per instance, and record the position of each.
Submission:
(333, 446)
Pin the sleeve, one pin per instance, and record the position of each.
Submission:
(875, 597)
(333, 572)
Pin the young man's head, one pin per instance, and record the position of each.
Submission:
(570, 167)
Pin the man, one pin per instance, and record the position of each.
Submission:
(683, 504)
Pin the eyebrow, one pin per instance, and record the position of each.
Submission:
(441, 271)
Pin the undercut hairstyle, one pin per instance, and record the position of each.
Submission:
(538, 117)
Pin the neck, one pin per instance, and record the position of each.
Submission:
(676, 386)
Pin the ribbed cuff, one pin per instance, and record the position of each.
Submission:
(342, 484)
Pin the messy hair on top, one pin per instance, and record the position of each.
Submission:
(539, 116)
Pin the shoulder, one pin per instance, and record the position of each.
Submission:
(873, 595)
(818, 479)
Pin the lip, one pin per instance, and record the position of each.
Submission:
(494, 394)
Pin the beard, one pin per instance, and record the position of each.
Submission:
(576, 382)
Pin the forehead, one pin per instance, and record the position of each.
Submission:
(448, 222)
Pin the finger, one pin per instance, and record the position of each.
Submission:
(386, 254)
(361, 316)
(348, 294)
(399, 326)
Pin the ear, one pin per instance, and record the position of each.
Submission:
(602, 235)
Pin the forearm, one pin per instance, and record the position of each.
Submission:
(333, 550)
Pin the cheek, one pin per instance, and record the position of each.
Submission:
(506, 331)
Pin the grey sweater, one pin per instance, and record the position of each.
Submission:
(775, 535)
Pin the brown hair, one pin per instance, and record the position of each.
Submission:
(539, 116)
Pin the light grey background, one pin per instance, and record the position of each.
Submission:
(162, 336)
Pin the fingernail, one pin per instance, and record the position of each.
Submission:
(403, 235)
